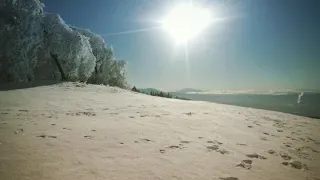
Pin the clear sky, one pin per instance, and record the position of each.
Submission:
(262, 44)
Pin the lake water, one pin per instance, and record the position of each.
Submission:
(309, 104)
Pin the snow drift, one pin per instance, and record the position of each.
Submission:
(39, 46)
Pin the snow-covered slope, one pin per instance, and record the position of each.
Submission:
(75, 131)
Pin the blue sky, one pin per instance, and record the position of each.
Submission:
(263, 44)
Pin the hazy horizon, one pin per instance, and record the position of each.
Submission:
(262, 45)
(236, 91)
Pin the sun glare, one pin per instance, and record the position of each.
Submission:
(186, 21)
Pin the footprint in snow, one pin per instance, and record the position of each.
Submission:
(81, 113)
(287, 145)
(47, 136)
(306, 148)
(241, 144)
(255, 155)
(263, 138)
(296, 165)
(88, 137)
(146, 140)
(185, 142)
(271, 151)
(166, 114)
(213, 148)
(246, 164)
(23, 110)
(215, 142)
(228, 178)
(217, 149)
(188, 114)
(20, 130)
(285, 156)
(174, 147)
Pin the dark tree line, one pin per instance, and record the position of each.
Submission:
(161, 94)
(154, 93)
(135, 89)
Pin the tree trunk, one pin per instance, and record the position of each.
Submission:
(63, 76)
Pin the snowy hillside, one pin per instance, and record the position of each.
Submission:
(76, 131)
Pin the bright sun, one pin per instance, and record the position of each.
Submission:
(186, 21)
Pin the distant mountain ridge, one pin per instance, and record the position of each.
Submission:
(187, 90)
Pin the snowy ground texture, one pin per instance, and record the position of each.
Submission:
(74, 131)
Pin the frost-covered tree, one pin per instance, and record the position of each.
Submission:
(36, 45)
(21, 37)
(108, 71)
(70, 50)
(117, 74)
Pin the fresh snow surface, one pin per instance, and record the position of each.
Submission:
(89, 132)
